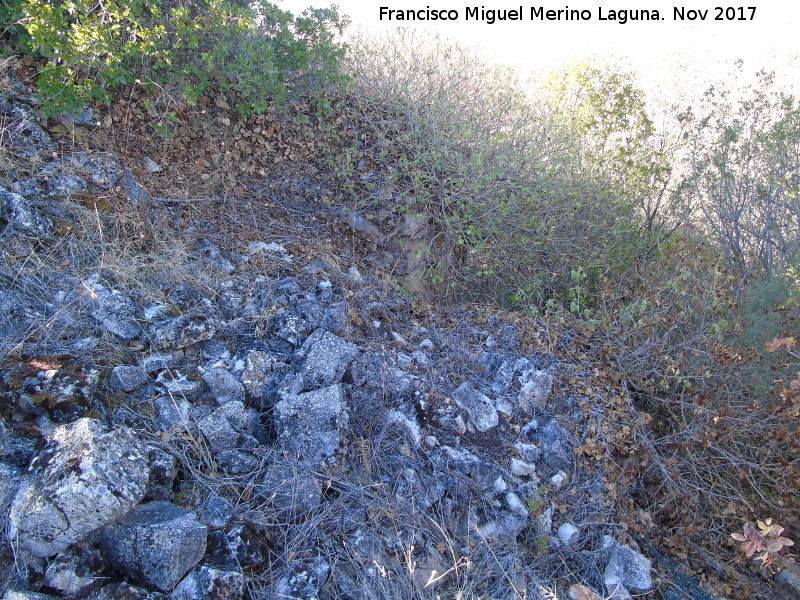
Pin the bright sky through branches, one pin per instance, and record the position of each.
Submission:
(663, 52)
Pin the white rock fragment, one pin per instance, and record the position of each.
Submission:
(535, 388)
(504, 406)
(568, 533)
(516, 504)
(500, 485)
(522, 469)
(480, 408)
(558, 479)
(399, 339)
(271, 248)
(399, 418)
(150, 165)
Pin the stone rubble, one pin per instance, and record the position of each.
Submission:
(223, 421)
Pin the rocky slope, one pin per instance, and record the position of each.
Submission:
(249, 419)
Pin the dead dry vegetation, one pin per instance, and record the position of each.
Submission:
(694, 427)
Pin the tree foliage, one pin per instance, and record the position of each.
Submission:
(253, 51)
(744, 177)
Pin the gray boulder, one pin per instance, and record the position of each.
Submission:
(310, 425)
(627, 568)
(20, 214)
(208, 583)
(211, 255)
(480, 408)
(326, 358)
(225, 387)
(183, 331)
(102, 168)
(556, 449)
(21, 132)
(127, 378)
(156, 543)
(230, 427)
(288, 491)
(85, 478)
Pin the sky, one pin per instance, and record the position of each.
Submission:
(662, 52)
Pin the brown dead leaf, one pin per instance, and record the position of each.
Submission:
(581, 592)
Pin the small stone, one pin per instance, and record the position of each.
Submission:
(127, 378)
(158, 362)
(156, 543)
(426, 345)
(626, 567)
(545, 521)
(212, 256)
(480, 408)
(788, 578)
(558, 479)
(568, 533)
(557, 451)
(304, 580)
(236, 462)
(208, 583)
(581, 592)
(183, 331)
(150, 165)
(163, 470)
(504, 528)
(327, 358)
(72, 571)
(172, 412)
(214, 512)
(227, 427)
(522, 469)
(535, 388)
(126, 591)
(224, 386)
(516, 504)
(312, 424)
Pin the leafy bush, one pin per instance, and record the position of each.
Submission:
(489, 168)
(606, 120)
(745, 175)
(252, 51)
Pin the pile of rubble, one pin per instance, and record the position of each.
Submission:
(289, 437)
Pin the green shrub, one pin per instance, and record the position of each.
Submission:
(12, 30)
(253, 52)
(491, 170)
